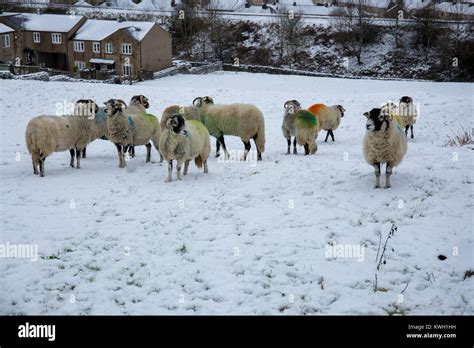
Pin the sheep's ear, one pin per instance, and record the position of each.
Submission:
(367, 114)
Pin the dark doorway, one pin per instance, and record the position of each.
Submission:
(53, 60)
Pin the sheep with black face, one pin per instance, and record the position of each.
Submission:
(288, 125)
(184, 141)
(384, 142)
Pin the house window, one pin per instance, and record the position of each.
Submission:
(56, 38)
(96, 47)
(126, 48)
(127, 70)
(6, 40)
(80, 65)
(108, 48)
(36, 37)
(79, 46)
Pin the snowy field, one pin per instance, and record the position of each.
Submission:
(246, 238)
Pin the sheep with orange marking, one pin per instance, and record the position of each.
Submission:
(329, 117)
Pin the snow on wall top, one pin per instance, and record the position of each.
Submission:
(97, 29)
(46, 22)
(5, 29)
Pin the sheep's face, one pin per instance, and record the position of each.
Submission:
(141, 100)
(341, 109)
(377, 120)
(85, 107)
(207, 100)
(406, 100)
(177, 125)
(291, 106)
(112, 106)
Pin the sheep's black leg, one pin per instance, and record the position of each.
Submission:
(246, 151)
(294, 147)
(41, 165)
(148, 152)
(218, 147)
(332, 135)
(327, 136)
(131, 151)
(377, 175)
(221, 140)
(78, 158)
(84, 153)
(406, 130)
(73, 154)
(259, 154)
(411, 129)
(120, 150)
(306, 149)
(289, 145)
(388, 172)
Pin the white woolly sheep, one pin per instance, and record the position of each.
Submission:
(408, 114)
(306, 129)
(384, 142)
(184, 141)
(288, 125)
(47, 134)
(329, 117)
(243, 120)
(130, 130)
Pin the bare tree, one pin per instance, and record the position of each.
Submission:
(355, 27)
(290, 36)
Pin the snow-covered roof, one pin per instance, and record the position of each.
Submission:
(372, 3)
(45, 22)
(97, 29)
(5, 29)
(101, 61)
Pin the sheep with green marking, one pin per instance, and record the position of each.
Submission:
(243, 120)
(184, 141)
(131, 130)
(306, 129)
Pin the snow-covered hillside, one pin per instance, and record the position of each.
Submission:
(247, 237)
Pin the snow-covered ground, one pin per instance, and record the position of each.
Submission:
(246, 238)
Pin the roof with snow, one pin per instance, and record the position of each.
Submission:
(43, 22)
(97, 29)
(5, 29)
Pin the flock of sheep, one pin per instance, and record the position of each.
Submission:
(183, 133)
